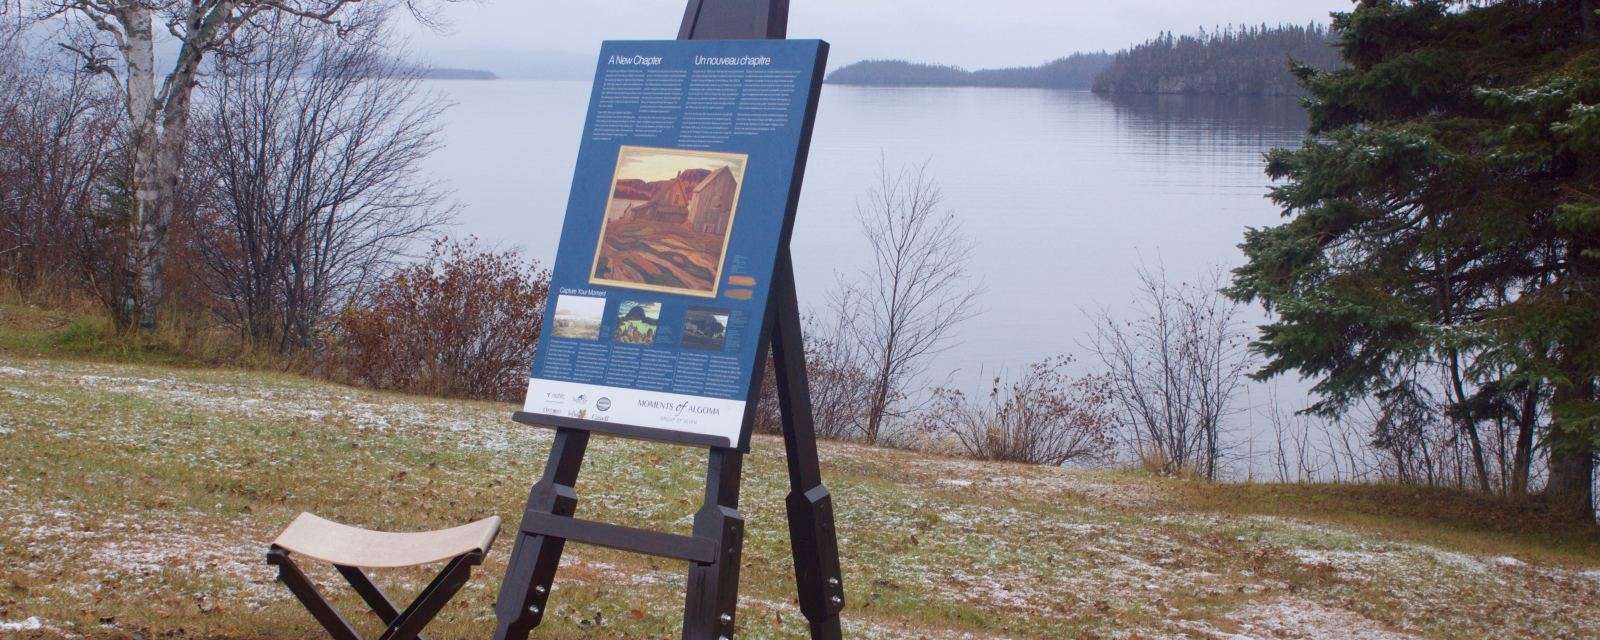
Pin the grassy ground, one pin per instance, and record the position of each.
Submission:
(138, 499)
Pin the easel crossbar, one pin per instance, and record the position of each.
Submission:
(613, 536)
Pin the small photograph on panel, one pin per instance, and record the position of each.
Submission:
(705, 329)
(579, 316)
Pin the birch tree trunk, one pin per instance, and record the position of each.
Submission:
(159, 153)
(138, 50)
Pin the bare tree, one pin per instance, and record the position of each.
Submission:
(311, 176)
(58, 132)
(12, 24)
(158, 112)
(908, 303)
(1043, 417)
(1175, 370)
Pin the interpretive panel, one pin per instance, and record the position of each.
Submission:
(679, 205)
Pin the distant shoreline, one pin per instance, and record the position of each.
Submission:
(1076, 71)
(448, 73)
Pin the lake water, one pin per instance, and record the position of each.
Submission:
(1062, 192)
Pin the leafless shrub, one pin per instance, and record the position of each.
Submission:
(838, 384)
(1313, 448)
(311, 187)
(1043, 417)
(841, 383)
(461, 323)
(1174, 369)
(905, 307)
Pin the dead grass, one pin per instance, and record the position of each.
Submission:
(138, 499)
(1478, 524)
(75, 328)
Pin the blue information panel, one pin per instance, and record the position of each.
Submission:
(684, 193)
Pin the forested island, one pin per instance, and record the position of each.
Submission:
(1076, 71)
(1224, 61)
(1230, 61)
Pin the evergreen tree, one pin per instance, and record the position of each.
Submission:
(1444, 215)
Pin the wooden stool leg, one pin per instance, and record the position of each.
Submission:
(432, 599)
(534, 557)
(369, 592)
(713, 591)
(291, 576)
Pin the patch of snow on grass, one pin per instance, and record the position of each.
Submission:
(1508, 562)
(1350, 565)
(1297, 619)
(1460, 561)
(31, 624)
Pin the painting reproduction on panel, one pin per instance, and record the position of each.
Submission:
(668, 219)
(637, 322)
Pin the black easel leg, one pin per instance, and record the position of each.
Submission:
(713, 593)
(534, 557)
(811, 534)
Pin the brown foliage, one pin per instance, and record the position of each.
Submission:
(461, 323)
(1044, 417)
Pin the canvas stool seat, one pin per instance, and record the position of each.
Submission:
(349, 549)
(336, 543)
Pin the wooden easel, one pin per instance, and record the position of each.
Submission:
(713, 549)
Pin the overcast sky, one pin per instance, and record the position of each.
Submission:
(970, 33)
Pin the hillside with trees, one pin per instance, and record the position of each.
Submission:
(1076, 71)
(1228, 61)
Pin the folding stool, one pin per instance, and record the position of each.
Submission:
(350, 548)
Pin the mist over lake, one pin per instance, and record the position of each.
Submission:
(1064, 192)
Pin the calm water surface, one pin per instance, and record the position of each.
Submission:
(1062, 192)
